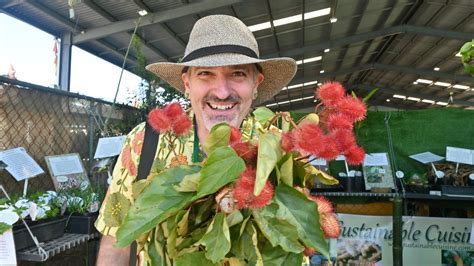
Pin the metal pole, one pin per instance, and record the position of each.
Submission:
(397, 231)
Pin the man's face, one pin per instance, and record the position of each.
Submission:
(221, 94)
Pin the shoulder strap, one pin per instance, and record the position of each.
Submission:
(150, 144)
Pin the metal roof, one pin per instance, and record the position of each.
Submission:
(384, 44)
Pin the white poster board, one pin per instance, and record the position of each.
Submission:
(7, 249)
(460, 155)
(109, 147)
(20, 164)
(67, 171)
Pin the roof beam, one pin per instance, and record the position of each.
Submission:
(11, 3)
(157, 17)
(99, 10)
(393, 90)
(378, 66)
(362, 37)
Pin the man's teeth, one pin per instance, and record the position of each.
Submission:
(221, 107)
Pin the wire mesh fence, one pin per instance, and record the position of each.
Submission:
(51, 122)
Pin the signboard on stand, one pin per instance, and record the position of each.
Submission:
(426, 241)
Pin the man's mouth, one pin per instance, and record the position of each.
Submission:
(221, 107)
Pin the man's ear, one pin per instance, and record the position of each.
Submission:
(259, 79)
(185, 79)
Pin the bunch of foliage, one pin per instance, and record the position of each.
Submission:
(36, 206)
(248, 202)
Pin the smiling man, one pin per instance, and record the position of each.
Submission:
(223, 76)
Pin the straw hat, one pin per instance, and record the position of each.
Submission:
(221, 40)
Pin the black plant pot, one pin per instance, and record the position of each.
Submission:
(82, 223)
(43, 230)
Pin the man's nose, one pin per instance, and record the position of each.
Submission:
(222, 88)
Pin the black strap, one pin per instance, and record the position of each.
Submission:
(150, 144)
(219, 49)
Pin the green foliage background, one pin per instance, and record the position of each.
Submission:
(416, 131)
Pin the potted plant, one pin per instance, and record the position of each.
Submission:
(81, 209)
(38, 212)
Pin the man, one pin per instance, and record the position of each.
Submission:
(223, 77)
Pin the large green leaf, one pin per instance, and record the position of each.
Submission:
(263, 115)
(157, 202)
(275, 256)
(189, 183)
(268, 155)
(221, 167)
(218, 137)
(303, 214)
(246, 246)
(217, 239)
(194, 258)
(286, 169)
(277, 231)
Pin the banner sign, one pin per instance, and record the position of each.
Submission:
(367, 240)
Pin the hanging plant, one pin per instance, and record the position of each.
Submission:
(467, 57)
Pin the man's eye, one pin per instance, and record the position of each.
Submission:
(239, 74)
(203, 73)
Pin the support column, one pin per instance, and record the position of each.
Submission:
(65, 62)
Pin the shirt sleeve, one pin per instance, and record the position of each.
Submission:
(123, 176)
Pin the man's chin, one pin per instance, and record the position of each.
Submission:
(232, 121)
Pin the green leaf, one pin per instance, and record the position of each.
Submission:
(155, 249)
(466, 47)
(217, 239)
(194, 258)
(279, 232)
(268, 155)
(275, 256)
(234, 218)
(189, 183)
(155, 204)
(183, 224)
(369, 95)
(4, 227)
(286, 169)
(204, 211)
(218, 137)
(303, 214)
(285, 123)
(263, 115)
(221, 167)
(139, 186)
(246, 246)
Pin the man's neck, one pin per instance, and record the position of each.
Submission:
(203, 133)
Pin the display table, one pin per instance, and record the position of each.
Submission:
(54, 247)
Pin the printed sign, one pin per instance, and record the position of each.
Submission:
(367, 240)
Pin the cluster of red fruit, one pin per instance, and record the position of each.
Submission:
(171, 118)
(332, 134)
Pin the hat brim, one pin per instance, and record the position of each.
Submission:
(278, 72)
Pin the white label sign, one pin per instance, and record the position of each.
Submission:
(109, 147)
(460, 155)
(65, 164)
(376, 159)
(426, 157)
(7, 249)
(20, 164)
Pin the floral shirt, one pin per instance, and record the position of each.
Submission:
(125, 172)
(124, 187)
